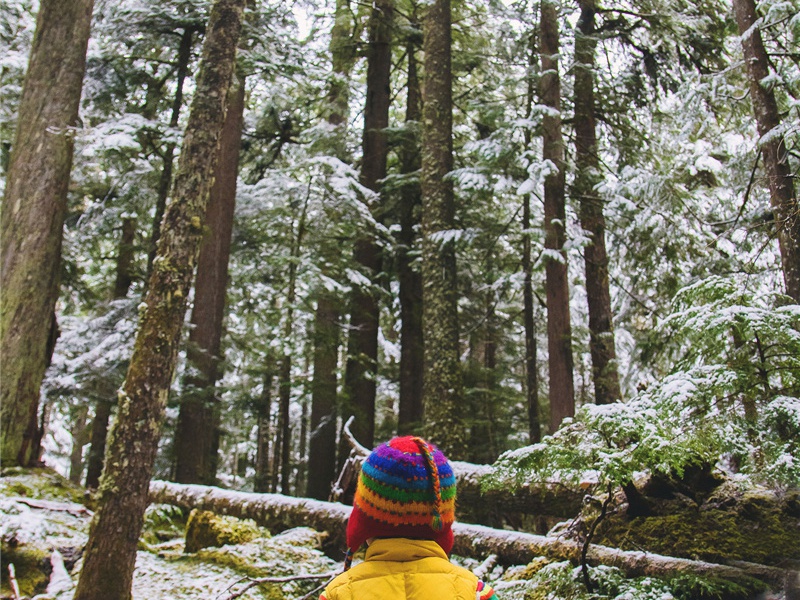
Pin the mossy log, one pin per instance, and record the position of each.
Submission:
(278, 512)
(493, 506)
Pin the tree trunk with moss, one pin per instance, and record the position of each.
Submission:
(601, 331)
(773, 147)
(278, 513)
(123, 496)
(197, 433)
(362, 346)
(559, 330)
(34, 207)
(442, 384)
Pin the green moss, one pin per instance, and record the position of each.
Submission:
(40, 483)
(757, 532)
(205, 529)
(31, 566)
(529, 570)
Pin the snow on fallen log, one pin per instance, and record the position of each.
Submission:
(278, 512)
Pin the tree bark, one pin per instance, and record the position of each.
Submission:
(196, 436)
(322, 443)
(277, 513)
(80, 436)
(32, 220)
(776, 156)
(559, 330)
(362, 345)
(123, 496)
(412, 359)
(442, 378)
(261, 479)
(587, 176)
(529, 319)
(97, 449)
(125, 255)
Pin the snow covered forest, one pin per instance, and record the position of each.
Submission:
(560, 239)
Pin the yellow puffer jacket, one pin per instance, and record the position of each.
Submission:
(404, 569)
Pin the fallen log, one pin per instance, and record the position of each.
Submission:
(493, 507)
(277, 512)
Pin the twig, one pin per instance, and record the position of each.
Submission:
(319, 588)
(361, 450)
(289, 578)
(584, 566)
(76, 510)
(12, 580)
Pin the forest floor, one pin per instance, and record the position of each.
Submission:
(44, 523)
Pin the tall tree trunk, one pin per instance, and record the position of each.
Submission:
(322, 464)
(529, 309)
(110, 553)
(362, 345)
(125, 255)
(593, 222)
(94, 468)
(529, 318)
(282, 452)
(409, 419)
(322, 445)
(559, 331)
(80, 437)
(32, 218)
(443, 386)
(197, 431)
(165, 179)
(261, 479)
(776, 156)
(302, 466)
(284, 424)
(103, 406)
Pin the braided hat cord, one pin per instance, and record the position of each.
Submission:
(433, 471)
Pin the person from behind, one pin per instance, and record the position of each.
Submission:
(403, 510)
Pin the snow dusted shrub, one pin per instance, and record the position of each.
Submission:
(731, 395)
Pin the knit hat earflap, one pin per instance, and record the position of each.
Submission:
(406, 489)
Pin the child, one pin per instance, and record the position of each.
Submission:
(404, 510)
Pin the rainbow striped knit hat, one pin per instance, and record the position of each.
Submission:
(406, 489)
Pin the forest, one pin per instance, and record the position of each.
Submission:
(245, 241)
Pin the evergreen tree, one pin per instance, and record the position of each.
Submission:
(559, 328)
(324, 395)
(111, 550)
(34, 207)
(196, 434)
(409, 402)
(780, 179)
(587, 178)
(442, 380)
(362, 347)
